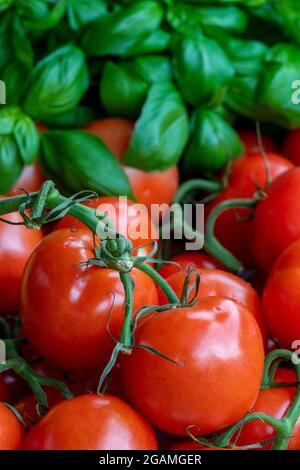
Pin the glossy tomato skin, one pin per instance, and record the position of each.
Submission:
(274, 402)
(215, 282)
(16, 245)
(31, 180)
(219, 351)
(276, 221)
(281, 297)
(234, 227)
(126, 218)
(250, 142)
(11, 430)
(92, 422)
(76, 301)
(291, 146)
(158, 187)
(188, 259)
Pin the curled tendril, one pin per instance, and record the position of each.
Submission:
(191, 285)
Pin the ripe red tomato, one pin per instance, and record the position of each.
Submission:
(91, 422)
(11, 430)
(188, 444)
(291, 146)
(234, 227)
(185, 260)
(76, 301)
(219, 353)
(16, 245)
(281, 297)
(126, 217)
(276, 223)
(250, 142)
(148, 187)
(274, 402)
(214, 282)
(30, 180)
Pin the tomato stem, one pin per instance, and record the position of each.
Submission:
(161, 282)
(126, 336)
(197, 185)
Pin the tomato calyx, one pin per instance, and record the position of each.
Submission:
(36, 381)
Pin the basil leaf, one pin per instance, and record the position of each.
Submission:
(41, 15)
(201, 67)
(77, 160)
(115, 33)
(5, 4)
(161, 132)
(5, 38)
(76, 117)
(122, 92)
(82, 12)
(156, 42)
(213, 143)
(19, 145)
(156, 68)
(282, 68)
(57, 83)
(289, 12)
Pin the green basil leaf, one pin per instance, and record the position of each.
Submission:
(82, 12)
(156, 68)
(41, 15)
(212, 144)
(282, 69)
(289, 11)
(74, 118)
(201, 67)
(5, 4)
(115, 33)
(77, 160)
(57, 83)
(10, 163)
(155, 43)
(5, 38)
(122, 92)
(161, 132)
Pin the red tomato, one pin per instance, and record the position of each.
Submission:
(281, 297)
(250, 142)
(276, 222)
(30, 180)
(126, 217)
(16, 245)
(76, 301)
(274, 402)
(291, 146)
(4, 396)
(219, 353)
(188, 444)
(214, 282)
(187, 259)
(11, 430)
(148, 187)
(91, 422)
(234, 227)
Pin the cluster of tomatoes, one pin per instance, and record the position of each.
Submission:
(208, 374)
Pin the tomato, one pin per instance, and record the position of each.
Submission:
(185, 260)
(4, 396)
(30, 180)
(219, 353)
(291, 146)
(16, 245)
(92, 422)
(148, 187)
(76, 301)
(188, 444)
(274, 402)
(250, 142)
(11, 430)
(126, 217)
(281, 297)
(216, 282)
(276, 221)
(234, 227)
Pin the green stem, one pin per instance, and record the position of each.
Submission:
(212, 245)
(125, 337)
(197, 185)
(162, 283)
(12, 204)
(41, 200)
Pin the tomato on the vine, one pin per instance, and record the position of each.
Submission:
(214, 380)
(16, 245)
(250, 141)
(281, 297)
(31, 180)
(92, 422)
(221, 283)
(276, 221)
(274, 402)
(188, 259)
(157, 187)
(291, 146)
(79, 303)
(11, 430)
